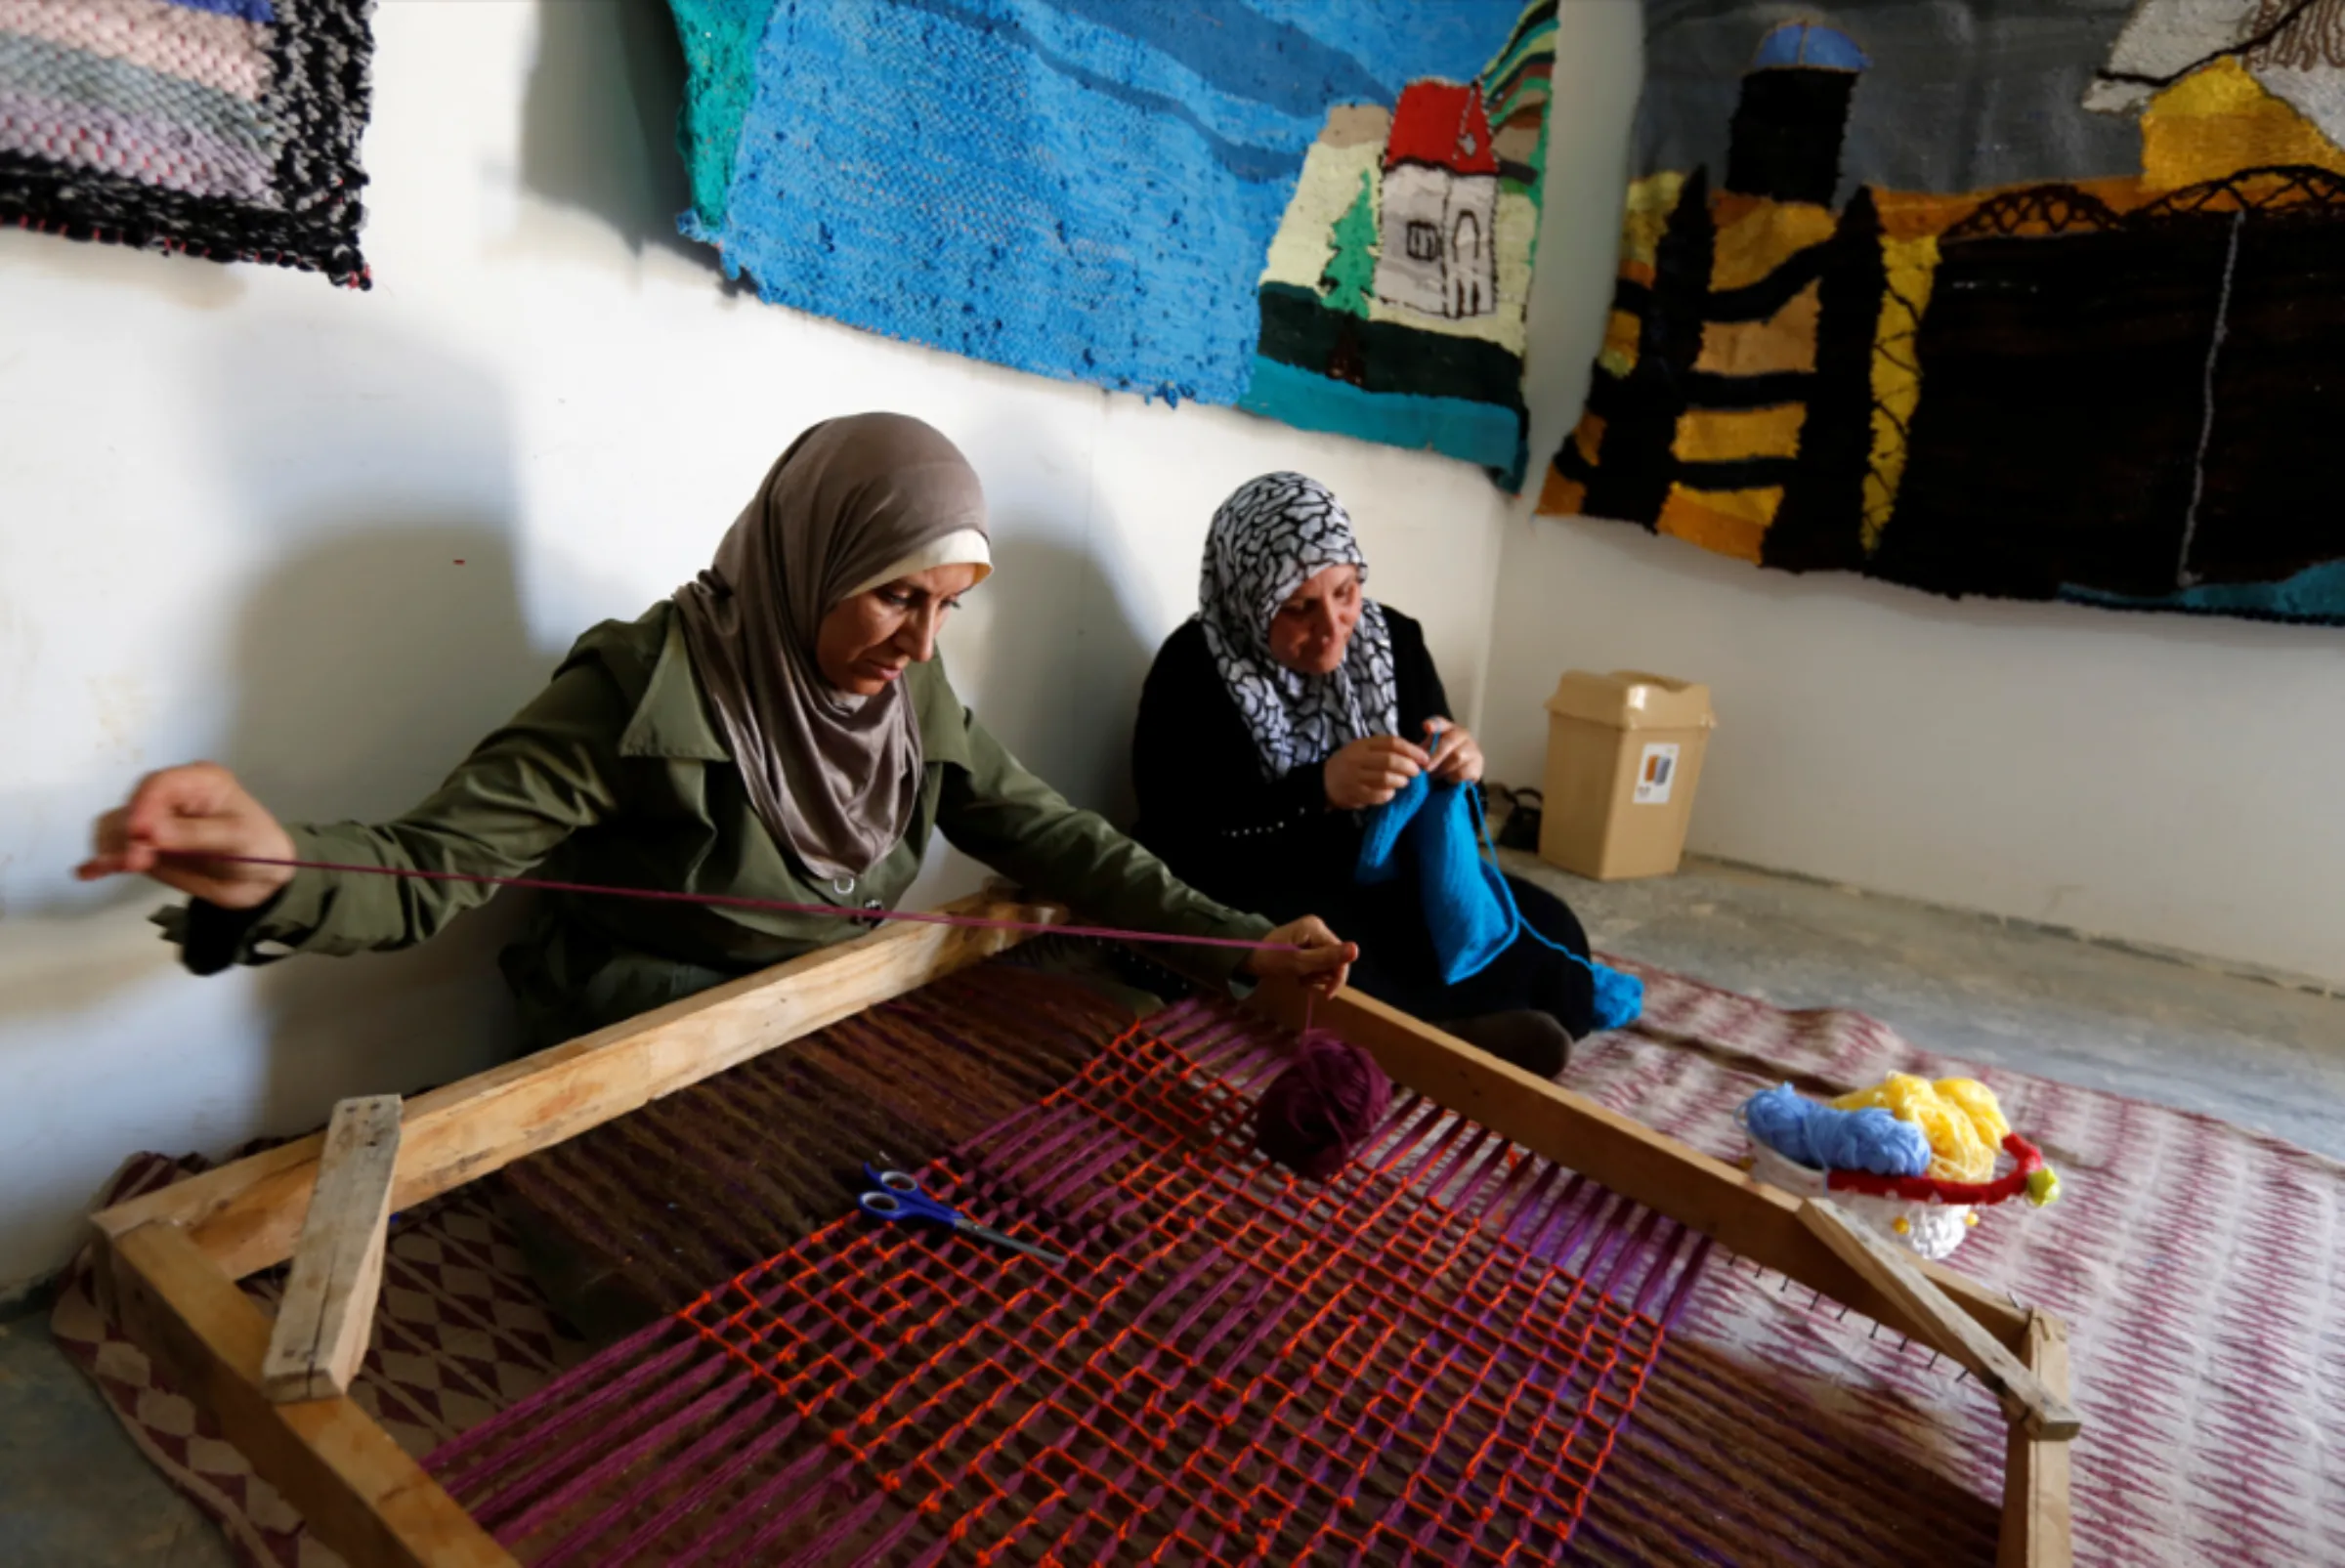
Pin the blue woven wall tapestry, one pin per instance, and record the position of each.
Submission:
(1322, 212)
(219, 128)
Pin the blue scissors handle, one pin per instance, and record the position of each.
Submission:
(901, 1199)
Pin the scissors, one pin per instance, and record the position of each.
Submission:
(899, 1198)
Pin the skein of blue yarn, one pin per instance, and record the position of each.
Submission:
(1469, 911)
(1619, 996)
(1823, 1138)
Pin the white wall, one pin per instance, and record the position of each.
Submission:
(2168, 780)
(233, 501)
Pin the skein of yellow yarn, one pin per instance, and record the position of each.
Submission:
(1974, 1097)
(1959, 1115)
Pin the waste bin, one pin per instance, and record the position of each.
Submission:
(1624, 752)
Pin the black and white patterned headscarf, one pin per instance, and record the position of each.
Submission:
(1273, 535)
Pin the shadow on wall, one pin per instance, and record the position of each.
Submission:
(1061, 665)
(1635, 547)
(1598, 70)
(1612, 595)
(598, 130)
(389, 673)
(179, 281)
(356, 469)
(386, 641)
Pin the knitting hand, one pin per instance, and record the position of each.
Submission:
(1313, 954)
(1371, 770)
(177, 817)
(1457, 757)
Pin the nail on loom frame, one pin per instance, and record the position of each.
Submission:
(169, 1261)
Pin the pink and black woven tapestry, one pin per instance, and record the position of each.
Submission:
(226, 129)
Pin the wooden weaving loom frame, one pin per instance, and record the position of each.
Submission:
(169, 1261)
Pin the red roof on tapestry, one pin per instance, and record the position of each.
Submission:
(1443, 124)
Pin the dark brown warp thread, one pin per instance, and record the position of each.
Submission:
(693, 1189)
(1725, 1461)
(1720, 1459)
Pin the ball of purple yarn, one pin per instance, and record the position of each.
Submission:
(1327, 1103)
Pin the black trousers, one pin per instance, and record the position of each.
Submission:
(1397, 963)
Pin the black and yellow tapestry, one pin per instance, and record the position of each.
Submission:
(2041, 299)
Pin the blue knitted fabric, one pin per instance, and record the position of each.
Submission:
(1469, 911)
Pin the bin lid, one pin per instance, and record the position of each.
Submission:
(1633, 699)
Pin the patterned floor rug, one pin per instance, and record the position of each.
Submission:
(460, 1332)
(2196, 1262)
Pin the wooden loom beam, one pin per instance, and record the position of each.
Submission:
(2037, 1526)
(171, 1258)
(357, 1489)
(246, 1215)
(328, 1311)
(2004, 1371)
(1744, 1215)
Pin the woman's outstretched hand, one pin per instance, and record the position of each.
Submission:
(179, 817)
(1457, 757)
(1371, 770)
(1312, 953)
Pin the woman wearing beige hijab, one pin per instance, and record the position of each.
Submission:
(779, 730)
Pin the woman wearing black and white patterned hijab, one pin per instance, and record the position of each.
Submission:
(1276, 715)
(1274, 535)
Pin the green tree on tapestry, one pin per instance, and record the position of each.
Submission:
(1351, 268)
(1349, 280)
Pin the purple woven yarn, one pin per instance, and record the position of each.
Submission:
(1323, 1108)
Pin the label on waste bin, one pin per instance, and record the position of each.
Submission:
(1656, 773)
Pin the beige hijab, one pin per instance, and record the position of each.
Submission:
(833, 777)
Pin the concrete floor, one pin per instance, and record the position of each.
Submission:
(73, 1491)
(2262, 1054)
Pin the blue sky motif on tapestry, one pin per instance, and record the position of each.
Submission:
(1096, 190)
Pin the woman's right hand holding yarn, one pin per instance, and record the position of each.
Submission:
(1371, 770)
(1305, 950)
(177, 818)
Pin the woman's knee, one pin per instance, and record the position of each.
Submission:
(1549, 914)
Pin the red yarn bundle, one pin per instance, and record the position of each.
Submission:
(1323, 1108)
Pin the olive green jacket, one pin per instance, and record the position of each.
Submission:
(617, 774)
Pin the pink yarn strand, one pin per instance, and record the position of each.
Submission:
(774, 905)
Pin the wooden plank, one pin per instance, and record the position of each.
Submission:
(2036, 1524)
(246, 1215)
(357, 1489)
(1748, 1216)
(1897, 1272)
(328, 1304)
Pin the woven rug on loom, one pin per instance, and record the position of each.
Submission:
(2195, 1262)
(226, 129)
(1422, 1359)
(649, 1208)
